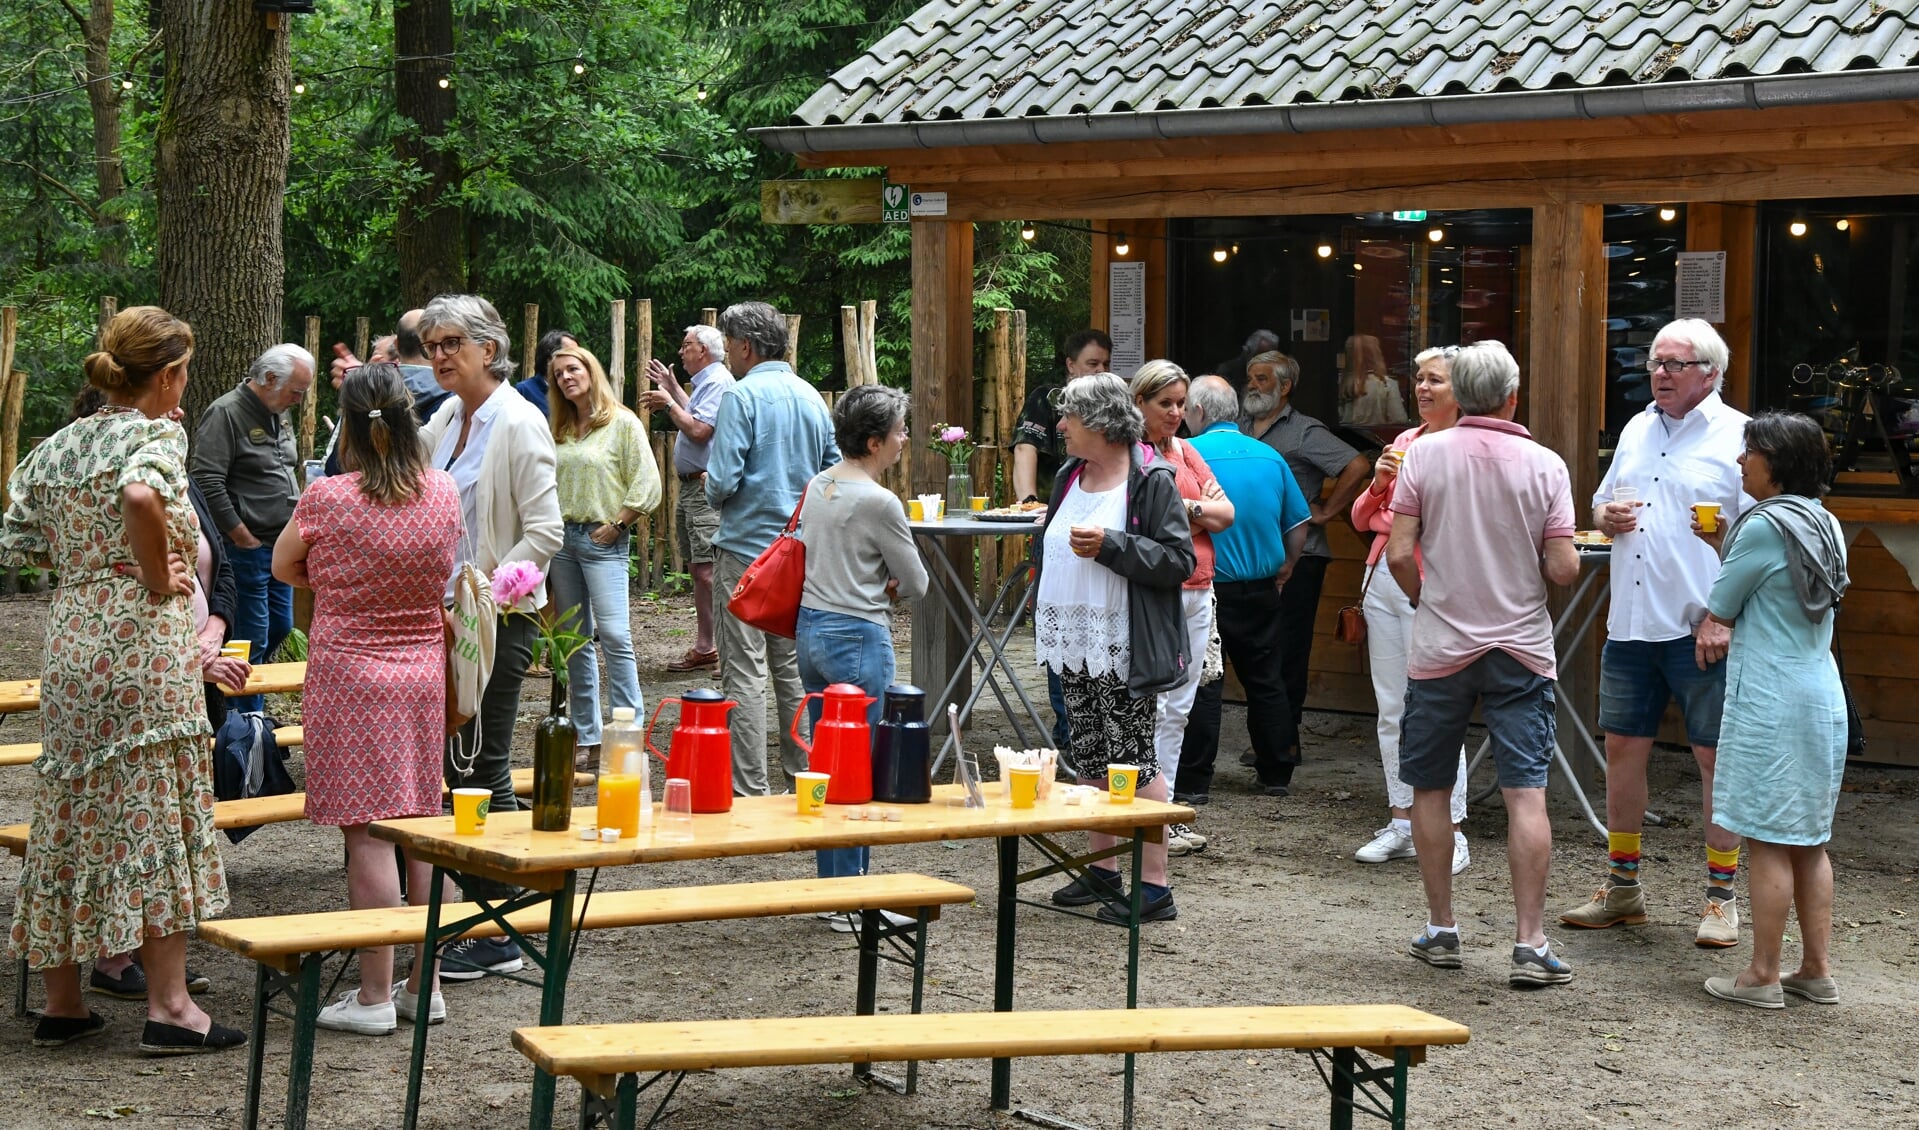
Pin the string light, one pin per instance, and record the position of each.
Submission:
(1436, 234)
(701, 94)
(1797, 227)
(579, 68)
(1121, 246)
(1219, 254)
(299, 88)
(1669, 214)
(126, 84)
(445, 82)
(1027, 231)
(1843, 225)
(1325, 251)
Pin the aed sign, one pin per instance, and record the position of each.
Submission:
(893, 207)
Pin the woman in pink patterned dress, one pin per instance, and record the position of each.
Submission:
(375, 545)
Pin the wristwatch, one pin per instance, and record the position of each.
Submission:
(625, 527)
(1193, 511)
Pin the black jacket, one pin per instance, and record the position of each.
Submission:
(1155, 555)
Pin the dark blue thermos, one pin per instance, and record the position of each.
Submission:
(902, 748)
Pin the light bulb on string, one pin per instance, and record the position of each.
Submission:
(126, 84)
(1436, 234)
(1797, 227)
(1325, 251)
(1843, 225)
(445, 83)
(579, 68)
(1219, 254)
(701, 93)
(1668, 214)
(1027, 231)
(1120, 246)
(299, 88)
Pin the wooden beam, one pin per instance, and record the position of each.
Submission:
(1734, 229)
(1564, 384)
(820, 201)
(942, 392)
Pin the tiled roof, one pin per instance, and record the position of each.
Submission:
(969, 60)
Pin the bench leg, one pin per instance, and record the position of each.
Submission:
(306, 1026)
(919, 990)
(416, 1062)
(1344, 1060)
(1138, 892)
(559, 959)
(1378, 1092)
(256, 1049)
(1003, 947)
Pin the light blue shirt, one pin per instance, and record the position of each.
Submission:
(1266, 499)
(772, 436)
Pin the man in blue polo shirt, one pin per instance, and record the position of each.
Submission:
(1251, 560)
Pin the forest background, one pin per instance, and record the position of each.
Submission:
(361, 158)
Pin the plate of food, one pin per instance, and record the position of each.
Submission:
(1590, 538)
(1027, 512)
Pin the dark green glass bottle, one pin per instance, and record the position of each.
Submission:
(554, 741)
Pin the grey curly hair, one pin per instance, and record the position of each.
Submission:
(1104, 403)
(477, 321)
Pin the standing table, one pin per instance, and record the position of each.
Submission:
(986, 644)
(547, 865)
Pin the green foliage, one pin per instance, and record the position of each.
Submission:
(293, 649)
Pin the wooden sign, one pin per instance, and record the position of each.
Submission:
(820, 201)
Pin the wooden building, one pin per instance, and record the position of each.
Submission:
(1434, 171)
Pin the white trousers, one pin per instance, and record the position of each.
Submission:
(1389, 633)
(1176, 705)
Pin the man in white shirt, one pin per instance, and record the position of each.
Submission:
(703, 353)
(1683, 449)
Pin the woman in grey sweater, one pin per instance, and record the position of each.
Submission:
(859, 559)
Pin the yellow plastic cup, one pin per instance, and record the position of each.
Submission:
(620, 803)
(1022, 785)
(1708, 515)
(810, 788)
(914, 511)
(1121, 780)
(976, 503)
(469, 811)
(237, 649)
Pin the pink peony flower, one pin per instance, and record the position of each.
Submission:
(515, 580)
(953, 434)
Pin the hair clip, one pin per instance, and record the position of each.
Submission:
(373, 414)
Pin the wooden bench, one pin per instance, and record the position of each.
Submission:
(607, 1059)
(26, 753)
(22, 695)
(290, 950)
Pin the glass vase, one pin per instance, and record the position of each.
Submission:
(959, 491)
(554, 742)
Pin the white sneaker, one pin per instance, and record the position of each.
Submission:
(348, 1015)
(407, 1006)
(1387, 843)
(1184, 839)
(1462, 855)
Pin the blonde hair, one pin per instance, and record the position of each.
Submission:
(139, 343)
(1154, 377)
(566, 420)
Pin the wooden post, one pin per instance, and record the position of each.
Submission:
(1563, 387)
(13, 392)
(993, 426)
(942, 390)
(530, 344)
(109, 306)
(642, 353)
(670, 498)
(850, 345)
(1012, 403)
(869, 328)
(310, 403)
(710, 316)
(793, 340)
(362, 327)
(616, 364)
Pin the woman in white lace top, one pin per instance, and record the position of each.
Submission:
(1114, 550)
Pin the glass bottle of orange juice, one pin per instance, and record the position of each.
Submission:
(624, 799)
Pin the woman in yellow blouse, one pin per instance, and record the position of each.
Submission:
(607, 480)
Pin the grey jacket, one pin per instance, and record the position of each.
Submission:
(243, 459)
(1155, 555)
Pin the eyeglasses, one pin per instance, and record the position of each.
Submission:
(1675, 366)
(445, 347)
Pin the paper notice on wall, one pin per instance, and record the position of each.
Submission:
(1699, 291)
(1126, 315)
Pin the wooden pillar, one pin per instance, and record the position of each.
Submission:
(942, 391)
(310, 403)
(616, 363)
(530, 341)
(1732, 227)
(1562, 388)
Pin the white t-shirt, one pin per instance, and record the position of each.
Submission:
(1080, 616)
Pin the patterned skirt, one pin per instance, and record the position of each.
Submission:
(124, 853)
(1109, 725)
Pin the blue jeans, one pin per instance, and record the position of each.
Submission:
(1637, 679)
(836, 648)
(263, 614)
(594, 578)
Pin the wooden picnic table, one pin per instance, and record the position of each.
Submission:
(21, 695)
(547, 864)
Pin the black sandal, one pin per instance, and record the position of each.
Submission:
(171, 1039)
(58, 1031)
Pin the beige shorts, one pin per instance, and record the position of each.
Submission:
(698, 522)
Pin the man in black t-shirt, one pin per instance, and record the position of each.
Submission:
(1038, 448)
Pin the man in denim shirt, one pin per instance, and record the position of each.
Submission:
(772, 436)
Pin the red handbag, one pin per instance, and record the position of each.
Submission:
(768, 595)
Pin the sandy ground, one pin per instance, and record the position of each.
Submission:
(1274, 911)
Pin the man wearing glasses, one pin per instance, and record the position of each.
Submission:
(1683, 449)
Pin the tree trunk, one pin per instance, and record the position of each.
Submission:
(431, 242)
(220, 170)
(103, 98)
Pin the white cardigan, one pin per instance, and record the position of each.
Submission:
(518, 506)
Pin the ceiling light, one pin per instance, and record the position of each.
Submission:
(1027, 231)
(1219, 254)
(1669, 214)
(1844, 225)
(1120, 246)
(1325, 251)
(1797, 227)
(1436, 234)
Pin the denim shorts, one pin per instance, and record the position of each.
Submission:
(1516, 705)
(1637, 679)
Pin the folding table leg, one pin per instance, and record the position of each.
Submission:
(256, 1047)
(1345, 1061)
(416, 1062)
(306, 1025)
(1003, 960)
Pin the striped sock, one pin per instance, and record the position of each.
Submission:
(1623, 858)
(1721, 866)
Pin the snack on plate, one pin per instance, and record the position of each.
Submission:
(1590, 537)
(1018, 510)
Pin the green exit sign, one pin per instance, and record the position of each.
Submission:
(1415, 217)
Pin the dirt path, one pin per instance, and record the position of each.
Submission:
(1274, 911)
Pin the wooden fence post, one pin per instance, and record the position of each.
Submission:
(793, 340)
(850, 345)
(616, 365)
(10, 406)
(109, 306)
(310, 403)
(1012, 403)
(642, 354)
(531, 343)
(869, 328)
(670, 499)
(362, 327)
(710, 316)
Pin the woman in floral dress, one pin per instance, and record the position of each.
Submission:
(121, 853)
(375, 546)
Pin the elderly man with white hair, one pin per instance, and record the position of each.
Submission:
(703, 354)
(1490, 514)
(244, 460)
(1660, 645)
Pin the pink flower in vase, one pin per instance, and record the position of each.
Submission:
(953, 435)
(513, 581)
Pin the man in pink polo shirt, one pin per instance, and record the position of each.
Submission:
(1490, 512)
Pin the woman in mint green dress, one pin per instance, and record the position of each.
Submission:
(1782, 746)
